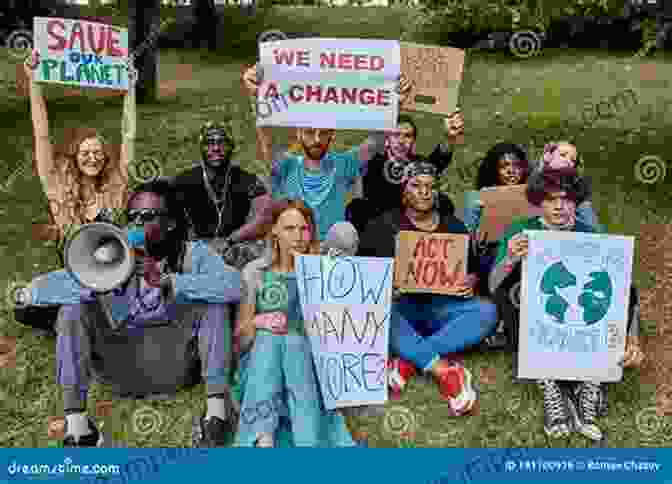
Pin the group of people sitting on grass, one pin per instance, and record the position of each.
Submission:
(202, 271)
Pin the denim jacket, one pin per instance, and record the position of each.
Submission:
(205, 279)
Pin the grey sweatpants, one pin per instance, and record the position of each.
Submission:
(152, 359)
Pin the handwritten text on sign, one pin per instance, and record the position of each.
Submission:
(575, 295)
(76, 52)
(430, 263)
(346, 307)
(332, 83)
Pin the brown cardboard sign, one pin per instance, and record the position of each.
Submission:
(435, 74)
(502, 205)
(430, 263)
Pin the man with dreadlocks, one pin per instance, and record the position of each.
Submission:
(226, 205)
(426, 330)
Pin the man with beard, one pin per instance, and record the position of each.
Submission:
(427, 329)
(226, 205)
(321, 178)
(182, 286)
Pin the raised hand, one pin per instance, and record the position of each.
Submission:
(405, 87)
(31, 63)
(454, 126)
(250, 80)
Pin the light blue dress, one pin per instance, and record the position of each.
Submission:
(277, 383)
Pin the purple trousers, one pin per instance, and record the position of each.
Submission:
(154, 358)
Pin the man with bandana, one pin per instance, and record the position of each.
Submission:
(226, 205)
(426, 329)
(321, 178)
(181, 291)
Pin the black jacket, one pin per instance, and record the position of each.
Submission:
(379, 237)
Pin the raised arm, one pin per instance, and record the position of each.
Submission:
(44, 153)
(128, 128)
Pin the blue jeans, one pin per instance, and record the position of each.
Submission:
(451, 323)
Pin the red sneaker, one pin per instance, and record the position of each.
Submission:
(454, 382)
(399, 372)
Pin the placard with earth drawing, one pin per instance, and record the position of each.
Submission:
(575, 294)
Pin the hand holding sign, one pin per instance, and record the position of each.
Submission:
(276, 322)
(634, 357)
(454, 125)
(518, 245)
(464, 287)
(405, 88)
(31, 63)
(250, 80)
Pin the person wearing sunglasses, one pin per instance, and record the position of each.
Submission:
(179, 284)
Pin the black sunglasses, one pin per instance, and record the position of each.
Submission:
(144, 215)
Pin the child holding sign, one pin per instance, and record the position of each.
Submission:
(558, 194)
(280, 391)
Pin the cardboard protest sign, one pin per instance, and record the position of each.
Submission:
(329, 83)
(575, 294)
(502, 205)
(435, 74)
(430, 263)
(346, 305)
(80, 53)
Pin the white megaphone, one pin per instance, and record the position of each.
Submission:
(99, 257)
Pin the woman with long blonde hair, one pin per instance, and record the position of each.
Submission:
(281, 401)
(86, 175)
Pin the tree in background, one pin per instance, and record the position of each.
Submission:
(205, 25)
(144, 18)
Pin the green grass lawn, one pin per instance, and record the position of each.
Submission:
(501, 98)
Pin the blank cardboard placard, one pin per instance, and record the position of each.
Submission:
(430, 263)
(502, 205)
(435, 74)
